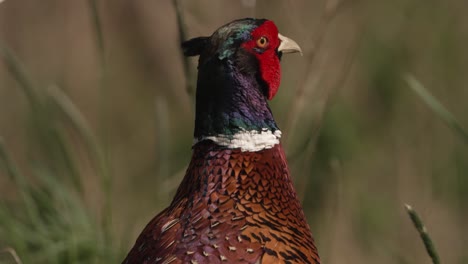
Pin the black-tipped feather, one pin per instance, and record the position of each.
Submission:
(195, 46)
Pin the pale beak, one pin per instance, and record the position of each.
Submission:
(288, 45)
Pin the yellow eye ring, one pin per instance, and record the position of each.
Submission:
(262, 42)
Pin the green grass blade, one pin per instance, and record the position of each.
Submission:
(104, 158)
(436, 106)
(97, 27)
(68, 160)
(20, 181)
(8, 166)
(74, 116)
(430, 248)
(79, 123)
(19, 73)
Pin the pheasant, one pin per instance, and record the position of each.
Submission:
(236, 203)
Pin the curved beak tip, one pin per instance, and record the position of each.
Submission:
(288, 45)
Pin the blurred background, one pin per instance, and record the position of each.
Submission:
(97, 110)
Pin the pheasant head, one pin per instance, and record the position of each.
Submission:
(238, 71)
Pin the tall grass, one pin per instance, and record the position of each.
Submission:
(436, 106)
(49, 221)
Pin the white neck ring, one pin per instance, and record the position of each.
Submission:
(246, 140)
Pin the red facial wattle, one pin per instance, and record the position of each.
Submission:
(269, 63)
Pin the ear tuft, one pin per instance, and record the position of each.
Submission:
(195, 46)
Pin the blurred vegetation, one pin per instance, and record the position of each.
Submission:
(96, 122)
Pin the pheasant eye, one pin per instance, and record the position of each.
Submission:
(262, 42)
